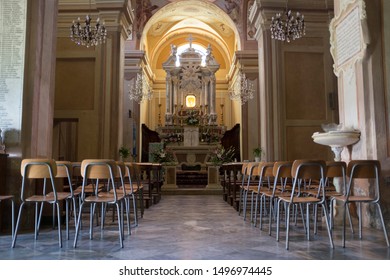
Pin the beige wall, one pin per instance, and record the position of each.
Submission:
(78, 94)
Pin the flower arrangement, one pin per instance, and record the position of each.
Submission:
(173, 138)
(192, 118)
(163, 155)
(221, 155)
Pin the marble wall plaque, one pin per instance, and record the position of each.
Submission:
(12, 49)
(348, 37)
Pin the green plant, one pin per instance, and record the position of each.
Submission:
(124, 152)
(257, 152)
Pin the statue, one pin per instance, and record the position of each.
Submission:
(173, 50)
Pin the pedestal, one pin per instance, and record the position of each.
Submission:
(169, 177)
(213, 177)
(191, 136)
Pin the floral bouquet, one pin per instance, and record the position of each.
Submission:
(221, 155)
(193, 118)
(163, 155)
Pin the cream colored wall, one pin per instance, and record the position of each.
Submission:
(363, 98)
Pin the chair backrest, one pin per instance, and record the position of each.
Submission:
(45, 169)
(265, 169)
(64, 169)
(335, 169)
(364, 169)
(38, 168)
(308, 170)
(282, 169)
(249, 170)
(265, 172)
(98, 168)
(282, 174)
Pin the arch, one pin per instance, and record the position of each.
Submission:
(207, 23)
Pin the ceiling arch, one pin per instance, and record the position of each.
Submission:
(207, 23)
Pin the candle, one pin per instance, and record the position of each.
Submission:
(159, 97)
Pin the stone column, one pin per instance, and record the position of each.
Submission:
(213, 115)
(35, 138)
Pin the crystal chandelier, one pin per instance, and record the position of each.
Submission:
(242, 89)
(88, 35)
(289, 28)
(141, 90)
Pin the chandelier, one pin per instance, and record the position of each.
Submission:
(88, 35)
(289, 28)
(141, 90)
(242, 89)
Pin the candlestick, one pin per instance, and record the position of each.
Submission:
(222, 124)
(159, 114)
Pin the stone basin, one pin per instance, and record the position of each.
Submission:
(336, 138)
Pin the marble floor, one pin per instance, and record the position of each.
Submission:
(194, 227)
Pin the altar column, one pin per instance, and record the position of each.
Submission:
(168, 114)
(213, 115)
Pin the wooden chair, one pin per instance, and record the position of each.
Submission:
(98, 170)
(282, 178)
(265, 174)
(247, 184)
(357, 170)
(304, 170)
(35, 169)
(134, 188)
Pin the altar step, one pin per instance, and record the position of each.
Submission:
(194, 179)
(191, 191)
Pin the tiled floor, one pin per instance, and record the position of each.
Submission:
(195, 227)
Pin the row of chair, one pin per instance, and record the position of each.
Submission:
(266, 187)
(104, 183)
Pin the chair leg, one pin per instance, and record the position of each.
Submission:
(119, 225)
(67, 218)
(135, 209)
(343, 233)
(78, 225)
(288, 226)
(59, 225)
(13, 217)
(328, 226)
(92, 212)
(360, 218)
(307, 221)
(17, 225)
(383, 224)
(277, 220)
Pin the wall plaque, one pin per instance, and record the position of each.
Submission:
(347, 38)
(12, 49)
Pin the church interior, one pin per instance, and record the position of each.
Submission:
(190, 92)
